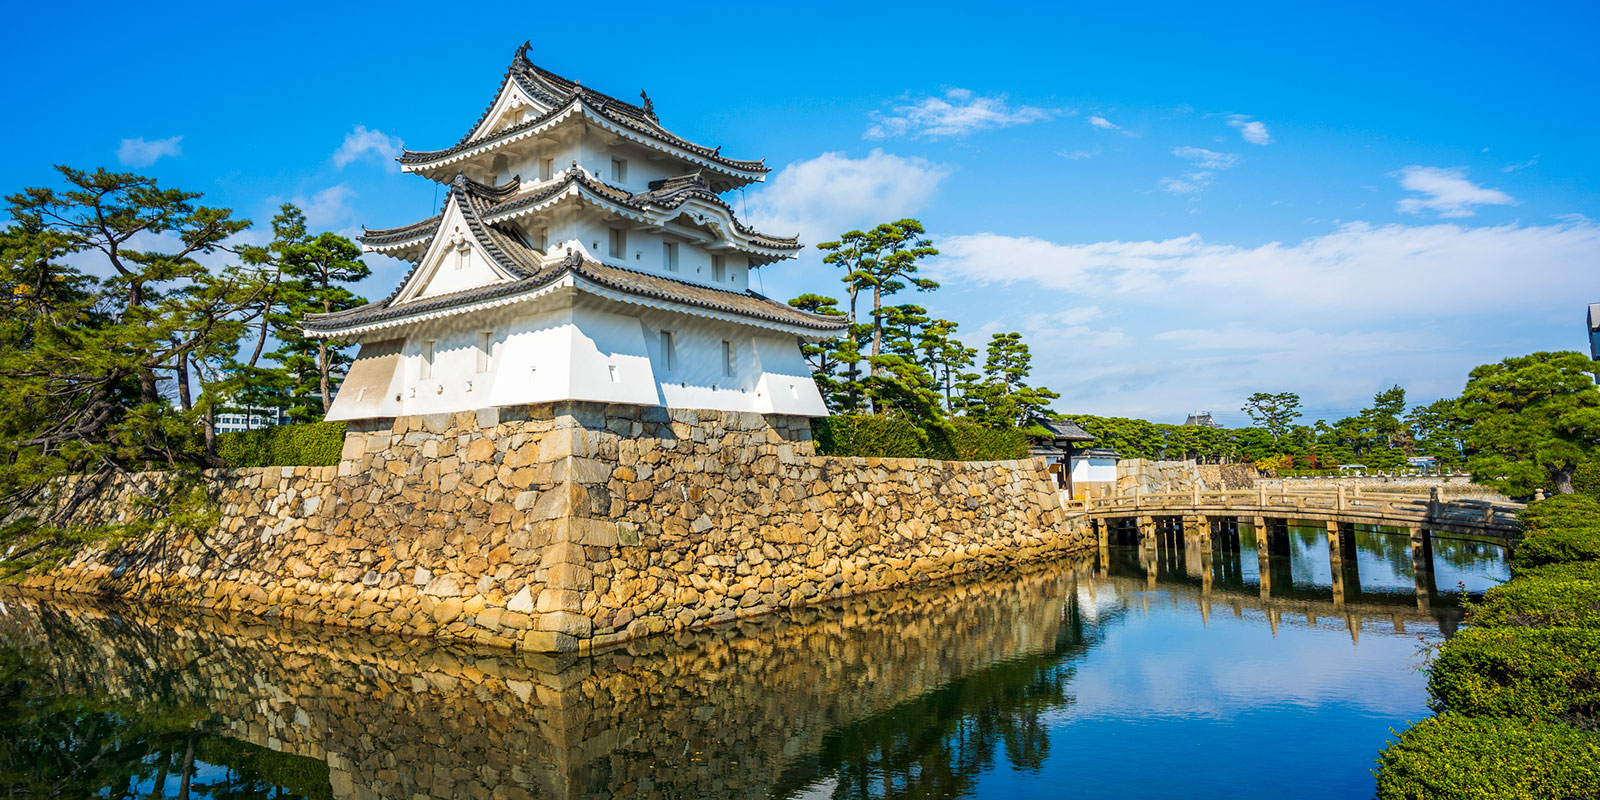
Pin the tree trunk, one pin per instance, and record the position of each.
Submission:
(877, 324)
(1563, 478)
(261, 341)
(322, 369)
(188, 769)
(184, 399)
(209, 427)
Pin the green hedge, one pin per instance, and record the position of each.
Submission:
(1451, 757)
(1561, 511)
(1532, 673)
(964, 440)
(1586, 479)
(1540, 602)
(313, 444)
(1560, 546)
(1575, 571)
(868, 436)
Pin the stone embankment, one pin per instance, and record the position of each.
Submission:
(570, 526)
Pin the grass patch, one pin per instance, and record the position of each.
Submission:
(1452, 757)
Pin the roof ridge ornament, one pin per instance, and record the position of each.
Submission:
(649, 107)
(522, 52)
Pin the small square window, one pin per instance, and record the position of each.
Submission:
(719, 269)
(669, 351)
(730, 359)
(619, 243)
(619, 170)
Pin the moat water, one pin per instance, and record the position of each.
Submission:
(1114, 675)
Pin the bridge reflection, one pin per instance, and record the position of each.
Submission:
(1238, 569)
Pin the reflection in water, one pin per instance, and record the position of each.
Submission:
(1076, 677)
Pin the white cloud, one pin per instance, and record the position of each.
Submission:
(1446, 191)
(825, 196)
(1104, 124)
(361, 142)
(1359, 271)
(1520, 165)
(326, 210)
(1253, 131)
(1078, 155)
(957, 113)
(1191, 183)
(1206, 159)
(140, 153)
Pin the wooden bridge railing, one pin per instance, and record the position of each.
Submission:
(1387, 505)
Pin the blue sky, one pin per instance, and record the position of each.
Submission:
(1177, 205)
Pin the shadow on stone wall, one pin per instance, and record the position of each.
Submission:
(951, 678)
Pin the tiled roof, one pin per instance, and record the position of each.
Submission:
(531, 272)
(561, 92)
(1064, 429)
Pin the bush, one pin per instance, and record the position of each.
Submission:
(1451, 756)
(313, 444)
(1529, 673)
(1575, 571)
(1586, 479)
(1561, 511)
(1559, 546)
(867, 436)
(965, 440)
(1538, 603)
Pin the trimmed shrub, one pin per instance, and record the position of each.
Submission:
(1575, 571)
(1559, 546)
(1586, 479)
(965, 440)
(1530, 673)
(1452, 757)
(1561, 511)
(312, 444)
(1538, 603)
(867, 436)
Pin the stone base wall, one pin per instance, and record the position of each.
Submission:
(1157, 477)
(564, 527)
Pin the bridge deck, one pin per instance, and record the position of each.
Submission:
(1421, 510)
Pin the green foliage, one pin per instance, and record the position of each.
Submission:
(1453, 757)
(1561, 511)
(1531, 421)
(866, 435)
(1586, 479)
(1571, 571)
(1540, 602)
(965, 440)
(1560, 546)
(1275, 412)
(1529, 673)
(311, 444)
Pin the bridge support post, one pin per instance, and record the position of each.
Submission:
(1263, 554)
(1336, 563)
(1147, 532)
(1201, 526)
(1422, 566)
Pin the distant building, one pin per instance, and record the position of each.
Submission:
(1202, 419)
(1070, 464)
(249, 419)
(1594, 333)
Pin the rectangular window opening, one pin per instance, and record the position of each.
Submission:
(619, 170)
(547, 168)
(719, 269)
(485, 342)
(730, 359)
(427, 360)
(669, 256)
(615, 376)
(619, 243)
(669, 351)
(541, 239)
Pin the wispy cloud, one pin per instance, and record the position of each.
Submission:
(363, 142)
(140, 153)
(1422, 269)
(1206, 164)
(1078, 155)
(958, 112)
(1520, 165)
(825, 196)
(1445, 191)
(1206, 159)
(1104, 124)
(1253, 131)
